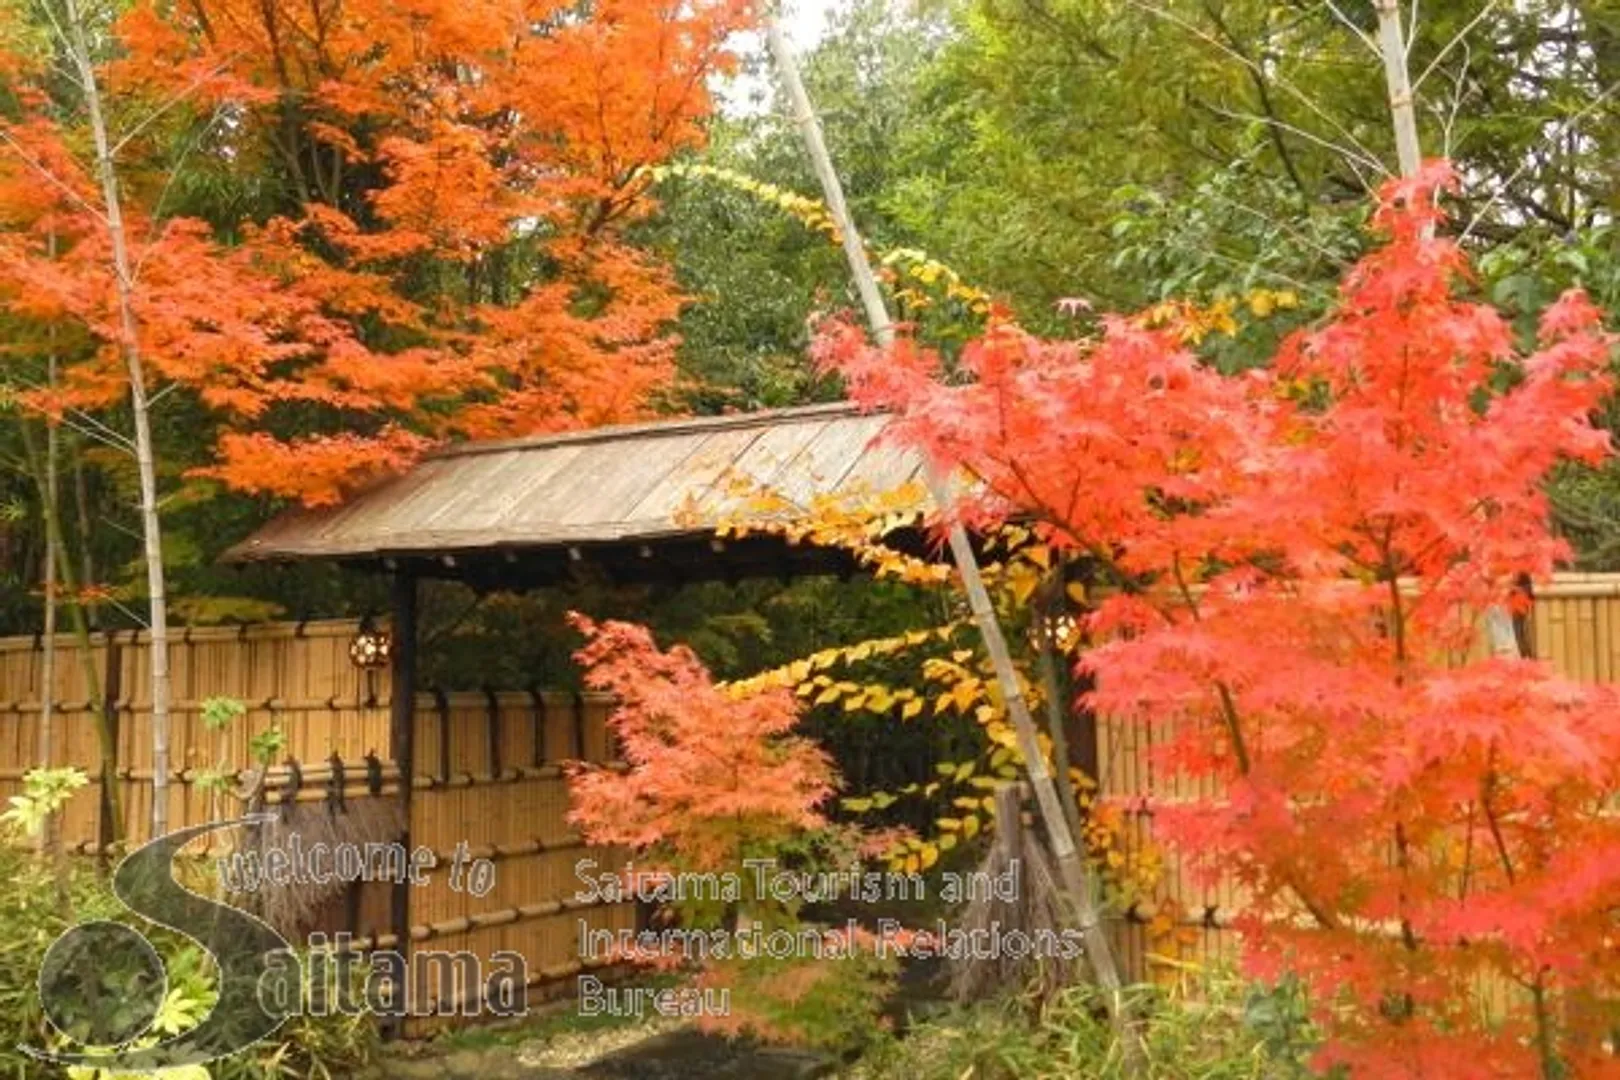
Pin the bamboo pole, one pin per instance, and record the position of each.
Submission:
(1071, 866)
(140, 406)
(1409, 153)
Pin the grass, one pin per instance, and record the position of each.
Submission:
(1221, 1030)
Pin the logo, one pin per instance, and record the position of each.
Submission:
(102, 983)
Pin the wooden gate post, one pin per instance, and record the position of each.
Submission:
(108, 827)
(402, 748)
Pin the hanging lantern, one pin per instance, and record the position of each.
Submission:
(1061, 631)
(369, 648)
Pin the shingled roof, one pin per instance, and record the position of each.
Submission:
(609, 486)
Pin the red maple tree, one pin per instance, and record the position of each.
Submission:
(1300, 555)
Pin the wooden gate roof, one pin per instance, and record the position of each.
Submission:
(612, 486)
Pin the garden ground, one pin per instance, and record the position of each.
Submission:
(566, 1046)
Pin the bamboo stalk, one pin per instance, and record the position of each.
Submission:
(146, 466)
(1071, 866)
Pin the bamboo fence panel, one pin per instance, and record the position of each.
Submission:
(497, 789)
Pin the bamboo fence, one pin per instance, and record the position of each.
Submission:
(488, 774)
(488, 777)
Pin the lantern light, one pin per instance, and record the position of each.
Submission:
(1062, 631)
(369, 648)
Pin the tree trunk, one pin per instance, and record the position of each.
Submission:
(1402, 109)
(1071, 866)
(87, 562)
(67, 584)
(1052, 692)
(146, 466)
(47, 658)
(1408, 149)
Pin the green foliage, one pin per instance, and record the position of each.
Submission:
(31, 919)
(267, 745)
(45, 792)
(307, 1048)
(831, 1005)
(219, 712)
(187, 1000)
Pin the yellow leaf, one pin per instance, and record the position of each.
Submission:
(1023, 587)
(913, 708)
(928, 856)
(970, 827)
(1002, 735)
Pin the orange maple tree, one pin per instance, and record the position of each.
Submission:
(713, 779)
(716, 796)
(440, 249)
(1299, 558)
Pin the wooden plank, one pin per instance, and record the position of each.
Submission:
(402, 737)
(619, 478)
(695, 480)
(820, 468)
(767, 458)
(506, 487)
